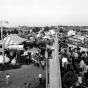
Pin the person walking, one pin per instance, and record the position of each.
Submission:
(38, 63)
(43, 64)
(7, 79)
(40, 78)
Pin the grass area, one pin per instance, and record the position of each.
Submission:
(25, 74)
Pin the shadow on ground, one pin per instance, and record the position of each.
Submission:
(9, 67)
(43, 85)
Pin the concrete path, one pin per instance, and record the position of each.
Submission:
(55, 73)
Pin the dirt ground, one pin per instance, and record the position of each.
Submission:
(25, 74)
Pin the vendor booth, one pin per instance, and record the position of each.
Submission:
(12, 39)
(14, 44)
(71, 33)
(77, 39)
(29, 54)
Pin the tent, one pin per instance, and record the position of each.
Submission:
(6, 59)
(52, 32)
(71, 33)
(79, 37)
(13, 39)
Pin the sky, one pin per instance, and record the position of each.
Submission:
(44, 12)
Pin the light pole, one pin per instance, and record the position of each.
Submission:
(46, 54)
(19, 29)
(77, 38)
(6, 22)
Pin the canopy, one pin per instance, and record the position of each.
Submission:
(79, 37)
(15, 47)
(52, 32)
(71, 33)
(13, 39)
(75, 40)
(6, 59)
(84, 30)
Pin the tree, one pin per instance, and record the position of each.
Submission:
(61, 30)
(73, 29)
(15, 31)
(4, 32)
(8, 32)
(36, 29)
(12, 32)
(46, 28)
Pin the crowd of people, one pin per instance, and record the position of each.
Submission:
(74, 67)
(39, 61)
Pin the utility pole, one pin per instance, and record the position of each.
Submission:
(2, 40)
(19, 29)
(46, 54)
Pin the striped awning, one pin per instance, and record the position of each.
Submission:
(15, 47)
(12, 39)
(8, 41)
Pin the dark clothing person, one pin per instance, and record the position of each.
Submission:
(38, 65)
(75, 65)
(40, 78)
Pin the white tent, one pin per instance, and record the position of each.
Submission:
(71, 33)
(12, 39)
(52, 32)
(6, 59)
(79, 37)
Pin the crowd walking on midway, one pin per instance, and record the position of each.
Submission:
(74, 67)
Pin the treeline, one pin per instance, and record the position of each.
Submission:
(5, 33)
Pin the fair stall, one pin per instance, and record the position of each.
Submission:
(12, 39)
